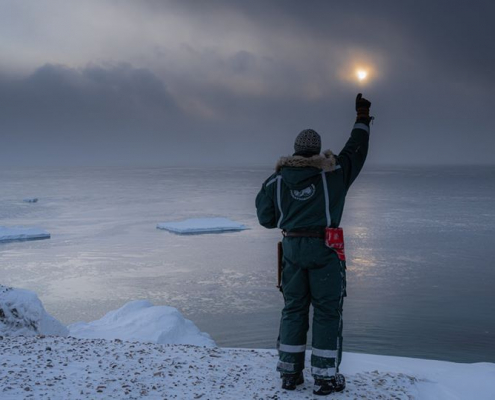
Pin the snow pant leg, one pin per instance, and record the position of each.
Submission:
(327, 285)
(343, 294)
(294, 322)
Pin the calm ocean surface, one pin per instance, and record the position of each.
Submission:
(420, 245)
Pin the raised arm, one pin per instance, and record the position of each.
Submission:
(353, 155)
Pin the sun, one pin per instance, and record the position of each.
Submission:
(361, 74)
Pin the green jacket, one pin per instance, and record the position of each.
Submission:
(309, 192)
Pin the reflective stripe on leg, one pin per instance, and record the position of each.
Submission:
(323, 372)
(283, 366)
(288, 348)
(324, 353)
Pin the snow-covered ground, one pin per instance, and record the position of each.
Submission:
(202, 225)
(114, 358)
(70, 368)
(8, 234)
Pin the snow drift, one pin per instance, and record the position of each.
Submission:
(142, 321)
(202, 225)
(8, 234)
(22, 313)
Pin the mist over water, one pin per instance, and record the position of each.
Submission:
(419, 243)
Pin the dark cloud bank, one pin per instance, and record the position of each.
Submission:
(92, 115)
(433, 102)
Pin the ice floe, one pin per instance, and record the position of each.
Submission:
(202, 225)
(12, 233)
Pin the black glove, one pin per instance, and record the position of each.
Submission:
(363, 109)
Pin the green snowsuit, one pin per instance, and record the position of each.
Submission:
(308, 194)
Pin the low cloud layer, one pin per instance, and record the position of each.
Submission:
(226, 82)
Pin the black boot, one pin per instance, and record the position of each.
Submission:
(290, 381)
(324, 387)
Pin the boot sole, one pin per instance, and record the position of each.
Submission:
(327, 393)
(330, 392)
(294, 388)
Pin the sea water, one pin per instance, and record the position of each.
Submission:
(420, 244)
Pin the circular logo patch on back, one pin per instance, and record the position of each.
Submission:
(303, 194)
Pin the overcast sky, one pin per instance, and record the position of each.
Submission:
(222, 82)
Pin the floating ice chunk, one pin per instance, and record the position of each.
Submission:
(8, 234)
(30, 200)
(142, 321)
(21, 313)
(202, 225)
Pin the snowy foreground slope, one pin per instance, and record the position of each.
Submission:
(70, 368)
(155, 361)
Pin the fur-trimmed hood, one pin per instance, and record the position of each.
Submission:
(325, 161)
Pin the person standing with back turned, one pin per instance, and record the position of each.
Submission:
(305, 198)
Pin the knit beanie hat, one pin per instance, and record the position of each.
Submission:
(308, 141)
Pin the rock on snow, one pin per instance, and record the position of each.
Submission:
(202, 225)
(142, 321)
(22, 313)
(8, 234)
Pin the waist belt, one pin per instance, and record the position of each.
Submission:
(310, 234)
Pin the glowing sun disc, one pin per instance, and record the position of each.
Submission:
(361, 74)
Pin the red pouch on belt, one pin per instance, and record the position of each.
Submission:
(334, 238)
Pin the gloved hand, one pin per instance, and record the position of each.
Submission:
(363, 109)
